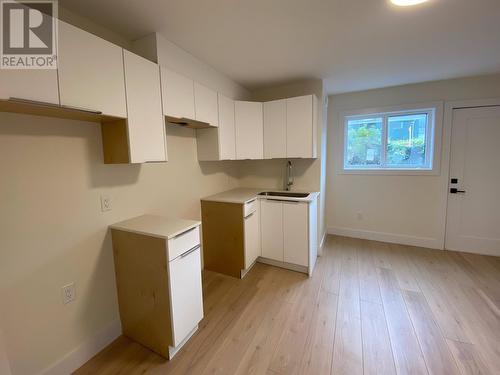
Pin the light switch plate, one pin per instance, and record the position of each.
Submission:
(105, 203)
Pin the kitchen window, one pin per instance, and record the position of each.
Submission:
(401, 140)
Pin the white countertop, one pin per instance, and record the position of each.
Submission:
(155, 226)
(243, 195)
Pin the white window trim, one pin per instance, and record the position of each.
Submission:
(436, 137)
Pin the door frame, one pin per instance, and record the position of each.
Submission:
(450, 106)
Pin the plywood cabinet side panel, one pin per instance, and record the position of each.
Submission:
(223, 237)
(142, 285)
(115, 142)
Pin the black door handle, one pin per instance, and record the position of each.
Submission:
(456, 191)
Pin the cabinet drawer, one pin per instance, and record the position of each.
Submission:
(183, 242)
(250, 207)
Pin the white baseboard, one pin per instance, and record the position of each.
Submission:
(431, 243)
(77, 357)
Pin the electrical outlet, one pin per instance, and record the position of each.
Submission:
(105, 203)
(359, 216)
(68, 293)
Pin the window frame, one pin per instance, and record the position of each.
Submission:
(434, 112)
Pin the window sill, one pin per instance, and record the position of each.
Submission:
(391, 172)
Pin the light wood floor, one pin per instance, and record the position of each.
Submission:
(369, 308)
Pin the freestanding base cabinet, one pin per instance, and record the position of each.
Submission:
(158, 277)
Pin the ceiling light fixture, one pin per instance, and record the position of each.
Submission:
(405, 3)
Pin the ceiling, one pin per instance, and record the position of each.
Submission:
(352, 44)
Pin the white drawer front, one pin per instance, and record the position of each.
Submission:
(250, 207)
(186, 294)
(183, 242)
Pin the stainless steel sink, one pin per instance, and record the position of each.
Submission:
(284, 194)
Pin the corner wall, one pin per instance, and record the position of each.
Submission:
(401, 209)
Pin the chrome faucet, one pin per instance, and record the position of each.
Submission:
(289, 175)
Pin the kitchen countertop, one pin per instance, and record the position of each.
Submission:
(155, 226)
(243, 195)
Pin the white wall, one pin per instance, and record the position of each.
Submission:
(404, 209)
(52, 231)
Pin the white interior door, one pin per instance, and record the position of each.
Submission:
(473, 218)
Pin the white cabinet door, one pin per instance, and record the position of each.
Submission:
(146, 125)
(249, 130)
(300, 127)
(252, 238)
(271, 226)
(90, 72)
(275, 129)
(205, 105)
(296, 232)
(227, 145)
(185, 294)
(39, 85)
(177, 94)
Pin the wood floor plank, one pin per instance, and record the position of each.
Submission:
(377, 352)
(368, 278)
(405, 275)
(238, 339)
(348, 349)
(434, 348)
(287, 357)
(317, 358)
(440, 300)
(468, 358)
(331, 280)
(405, 347)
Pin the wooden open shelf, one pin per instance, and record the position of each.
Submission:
(114, 129)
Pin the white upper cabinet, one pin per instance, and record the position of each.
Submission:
(178, 95)
(275, 129)
(249, 130)
(146, 125)
(301, 118)
(219, 143)
(38, 85)
(90, 72)
(227, 138)
(205, 105)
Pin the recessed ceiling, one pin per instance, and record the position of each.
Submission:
(352, 44)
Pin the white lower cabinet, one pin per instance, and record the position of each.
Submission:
(271, 224)
(252, 235)
(289, 233)
(158, 279)
(185, 294)
(295, 233)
